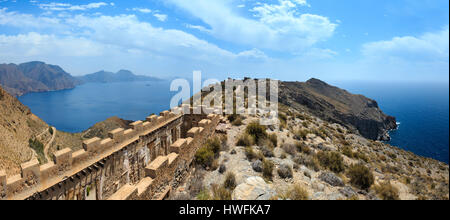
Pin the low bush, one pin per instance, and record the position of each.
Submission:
(204, 157)
(300, 134)
(245, 140)
(296, 192)
(347, 151)
(290, 149)
(387, 192)
(214, 144)
(230, 181)
(331, 160)
(257, 131)
(274, 139)
(309, 161)
(268, 169)
(220, 193)
(203, 195)
(303, 148)
(361, 176)
(285, 171)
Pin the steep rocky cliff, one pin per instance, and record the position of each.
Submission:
(356, 112)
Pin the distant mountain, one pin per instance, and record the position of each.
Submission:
(34, 77)
(108, 77)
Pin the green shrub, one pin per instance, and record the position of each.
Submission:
(245, 140)
(50, 130)
(251, 154)
(230, 181)
(361, 176)
(203, 195)
(309, 161)
(274, 139)
(220, 193)
(296, 192)
(347, 151)
(302, 148)
(305, 124)
(38, 147)
(214, 144)
(331, 160)
(387, 192)
(204, 157)
(268, 169)
(257, 131)
(301, 134)
(290, 149)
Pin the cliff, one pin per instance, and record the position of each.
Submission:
(356, 112)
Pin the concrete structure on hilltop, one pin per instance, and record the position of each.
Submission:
(144, 162)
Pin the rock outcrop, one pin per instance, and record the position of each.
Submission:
(358, 113)
(254, 188)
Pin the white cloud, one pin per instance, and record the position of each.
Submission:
(160, 17)
(16, 19)
(142, 10)
(198, 27)
(35, 44)
(86, 43)
(427, 47)
(276, 26)
(55, 6)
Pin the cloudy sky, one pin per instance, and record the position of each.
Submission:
(285, 39)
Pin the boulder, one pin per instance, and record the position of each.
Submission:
(331, 179)
(253, 188)
(348, 192)
(222, 168)
(257, 166)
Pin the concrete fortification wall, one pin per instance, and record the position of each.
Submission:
(139, 163)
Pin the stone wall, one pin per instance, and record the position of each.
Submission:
(138, 163)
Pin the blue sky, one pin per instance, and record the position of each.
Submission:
(393, 40)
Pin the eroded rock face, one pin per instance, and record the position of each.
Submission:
(254, 188)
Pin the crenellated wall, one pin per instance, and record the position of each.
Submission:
(138, 163)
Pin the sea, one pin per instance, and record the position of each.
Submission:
(421, 109)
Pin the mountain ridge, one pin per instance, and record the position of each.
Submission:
(109, 77)
(34, 76)
(38, 76)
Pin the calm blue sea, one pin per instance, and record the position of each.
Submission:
(77, 109)
(421, 109)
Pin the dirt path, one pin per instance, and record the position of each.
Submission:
(47, 146)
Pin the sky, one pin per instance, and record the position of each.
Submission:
(370, 40)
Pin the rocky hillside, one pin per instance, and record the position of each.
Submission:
(306, 158)
(34, 77)
(17, 126)
(24, 136)
(356, 112)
